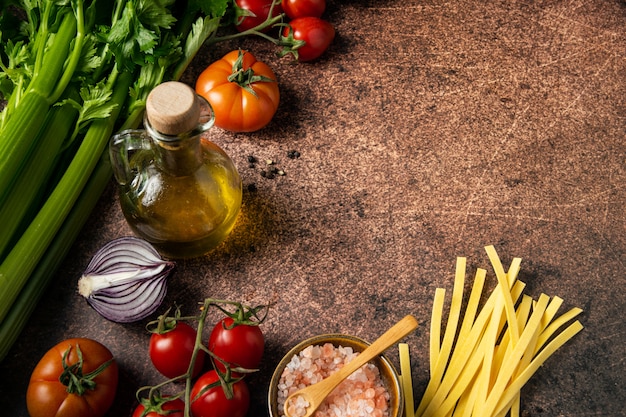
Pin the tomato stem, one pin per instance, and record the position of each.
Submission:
(165, 323)
(197, 346)
(72, 376)
(246, 77)
(155, 402)
(289, 43)
(257, 30)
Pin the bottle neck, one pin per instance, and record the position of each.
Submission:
(181, 154)
(179, 157)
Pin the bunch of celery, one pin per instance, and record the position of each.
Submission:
(74, 72)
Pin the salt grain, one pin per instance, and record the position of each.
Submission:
(362, 394)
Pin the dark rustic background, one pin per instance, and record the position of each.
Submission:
(427, 131)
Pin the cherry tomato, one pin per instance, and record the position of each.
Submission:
(260, 10)
(171, 408)
(315, 32)
(303, 8)
(241, 345)
(242, 91)
(171, 351)
(60, 385)
(214, 403)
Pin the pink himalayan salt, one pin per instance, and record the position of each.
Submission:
(362, 394)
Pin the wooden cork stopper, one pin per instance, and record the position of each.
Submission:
(172, 108)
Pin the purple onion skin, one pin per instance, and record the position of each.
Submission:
(133, 314)
(142, 276)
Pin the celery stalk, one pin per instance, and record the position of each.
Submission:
(23, 307)
(26, 119)
(23, 258)
(59, 61)
(21, 202)
(16, 138)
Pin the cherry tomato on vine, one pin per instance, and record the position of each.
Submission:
(243, 92)
(259, 11)
(76, 378)
(171, 351)
(168, 408)
(316, 33)
(241, 345)
(303, 8)
(214, 403)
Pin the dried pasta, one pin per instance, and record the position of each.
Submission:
(480, 369)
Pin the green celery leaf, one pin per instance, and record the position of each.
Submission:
(90, 60)
(18, 53)
(200, 31)
(211, 8)
(153, 72)
(154, 14)
(135, 35)
(19, 68)
(146, 39)
(96, 102)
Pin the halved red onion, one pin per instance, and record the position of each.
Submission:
(126, 280)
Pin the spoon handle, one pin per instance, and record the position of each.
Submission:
(391, 336)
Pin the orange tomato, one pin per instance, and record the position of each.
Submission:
(242, 91)
(68, 384)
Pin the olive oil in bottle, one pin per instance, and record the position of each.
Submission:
(177, 190)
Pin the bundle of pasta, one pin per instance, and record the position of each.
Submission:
(479, 369)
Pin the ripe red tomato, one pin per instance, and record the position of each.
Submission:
(53, 391)
(214, 403)
(171, 351)
(240, 346)
(260, 10)
(303, 8)
(242, 91)
(171, 408)
(315, 32)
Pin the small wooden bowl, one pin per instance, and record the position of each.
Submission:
(388, 373)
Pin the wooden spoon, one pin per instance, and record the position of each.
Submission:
(316, 394)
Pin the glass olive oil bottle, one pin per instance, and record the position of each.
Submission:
(177, 190)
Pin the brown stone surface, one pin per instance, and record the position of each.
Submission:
(428, 130)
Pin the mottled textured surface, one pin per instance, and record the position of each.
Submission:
(429, 130)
